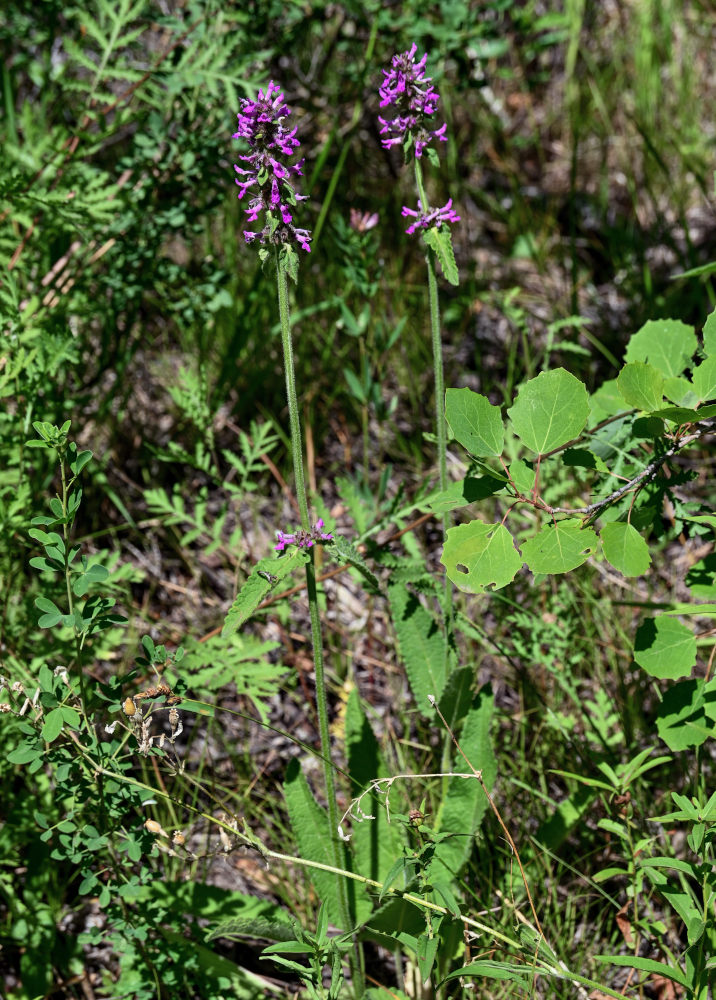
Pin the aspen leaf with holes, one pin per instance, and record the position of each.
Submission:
(480, 557)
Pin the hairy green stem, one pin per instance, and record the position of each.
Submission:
(316, 636)
(441, 434)
(439, 378)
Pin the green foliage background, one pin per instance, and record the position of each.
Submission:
(581, 161)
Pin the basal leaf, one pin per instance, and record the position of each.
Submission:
(667, 344)
(376, 843)
(625, 548)
(422, 645)
(465, 804)
(457, 696)
(480, 557)
(310, 825)
(550, 410)
(265, 575)
(560, 547)
(475, 422)
(665, 648)
(641, 385)
(704, 379)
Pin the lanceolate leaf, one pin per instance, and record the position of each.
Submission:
(550, 410)
(310, 825)
(475, 422)
(667, 344)
(642, 386)
(440, 240)
(344, 552)
(480, 557)
(375, 842)
(423, 647)
(265, 575)
(559, 547)
(625, 548)
(465, 803)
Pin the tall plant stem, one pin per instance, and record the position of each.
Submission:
(439, 378)
(316, 637)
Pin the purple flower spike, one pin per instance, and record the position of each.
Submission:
(415, 99)
(266, 176)
(433, 217)
(303, 539)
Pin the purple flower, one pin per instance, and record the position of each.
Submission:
(266, 177)
(303, 539)
(433, 217)
(362, 222)
(415, 99)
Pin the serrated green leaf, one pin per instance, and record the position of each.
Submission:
(345, 552)
(665, 647)
(423, 647)
(257, 586)
(439, 239)
(641, 386)
(625, 548)
(560, 547)
(375, 841)
(240, 928)
(666, 344)
(550, 410)
(457, 696)
(704, 379)
(310, 825)
(475, 422)
(480, 557)
(462, 810)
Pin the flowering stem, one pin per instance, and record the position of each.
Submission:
(440, 422)
(294, 421)
(337, 850)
